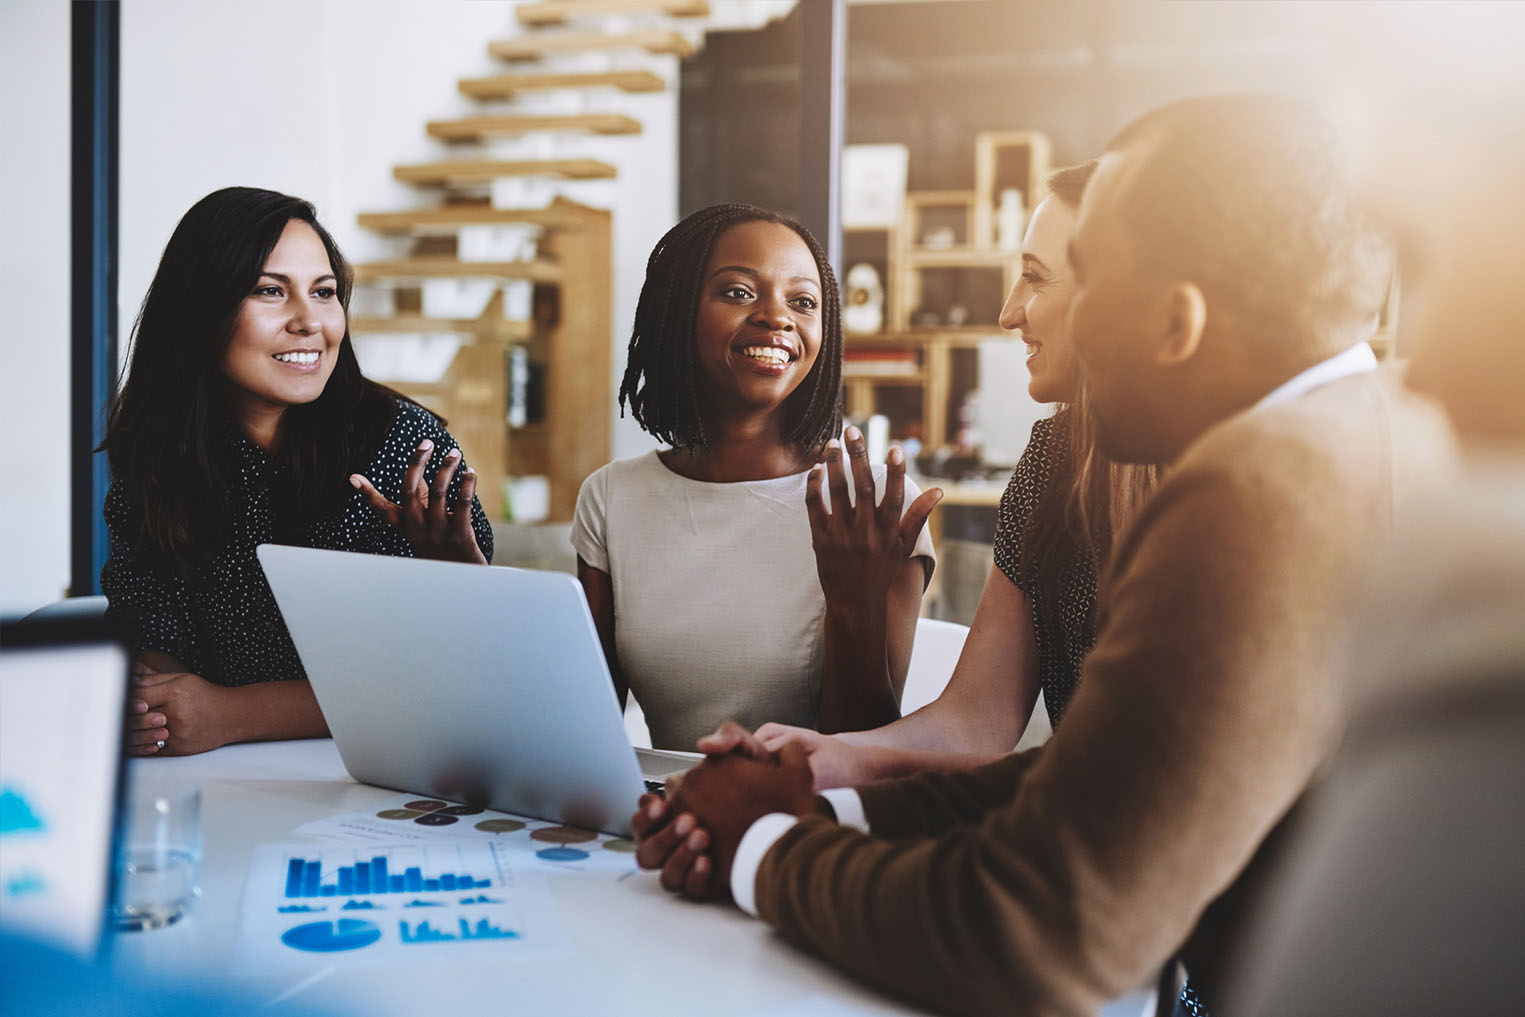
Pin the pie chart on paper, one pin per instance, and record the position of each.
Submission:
(331, 937)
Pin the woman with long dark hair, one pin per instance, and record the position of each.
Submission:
(723, 580)
(244, 419)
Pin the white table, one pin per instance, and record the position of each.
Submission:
(635, 948)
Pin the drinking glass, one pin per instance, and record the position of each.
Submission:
(159, 862)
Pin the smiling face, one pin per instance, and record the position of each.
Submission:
(758, 330)
(1039, 305)
(287, 334)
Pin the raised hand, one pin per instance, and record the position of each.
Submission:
(434, 530)
(861, 546)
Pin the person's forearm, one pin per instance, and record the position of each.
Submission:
(271, 711)
(886, 762)
(856, 691)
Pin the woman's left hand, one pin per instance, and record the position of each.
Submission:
(432, 529)
(176, 713)
(859, 546)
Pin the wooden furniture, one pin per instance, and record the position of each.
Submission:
(567, 339)
(945, 281)
(531, 396)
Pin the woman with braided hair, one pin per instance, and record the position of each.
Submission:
(724, 581)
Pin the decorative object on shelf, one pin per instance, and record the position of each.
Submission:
(863, 300)
(873, 185)
(1011, 220)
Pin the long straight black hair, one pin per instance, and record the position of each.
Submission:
(167, 429)
(661, 383)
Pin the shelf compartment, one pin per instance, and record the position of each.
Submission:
(484, 127)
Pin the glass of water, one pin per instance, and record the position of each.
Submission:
(159, 862)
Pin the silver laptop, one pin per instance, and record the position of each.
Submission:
(483, 685)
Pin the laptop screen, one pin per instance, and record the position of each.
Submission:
(62, 696)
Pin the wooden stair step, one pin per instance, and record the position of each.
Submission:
(448, 218)
(537, 44)
(424, 267)
(506, 86)
(562, 11)
(464, 172)
(478, 128)
(494, 329)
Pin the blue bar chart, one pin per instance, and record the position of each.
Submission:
(306, 878)
(380, 902)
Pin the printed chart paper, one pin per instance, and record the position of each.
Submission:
(533, 845)
(448, 899)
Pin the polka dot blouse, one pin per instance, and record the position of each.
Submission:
(222, 624)
(1065, 639)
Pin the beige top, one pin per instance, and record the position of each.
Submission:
(718, 612)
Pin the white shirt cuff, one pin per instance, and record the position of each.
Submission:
(848, 806)
(760, 836)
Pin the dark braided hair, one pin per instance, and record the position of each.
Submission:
(661, 382)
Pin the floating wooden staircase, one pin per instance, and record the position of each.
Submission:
(566, 333)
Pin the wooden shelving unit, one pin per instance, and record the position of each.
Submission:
(532, 47)
(963, 222)
(484, 127)
(562, 11)
(506, 86)
(474, 172)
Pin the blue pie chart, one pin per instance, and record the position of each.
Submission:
(331, 937)
(561, 854)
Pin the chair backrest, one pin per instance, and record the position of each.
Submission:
(938, 644)
(78, 608)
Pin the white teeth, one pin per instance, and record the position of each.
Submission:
(298, 358)
(767, 354)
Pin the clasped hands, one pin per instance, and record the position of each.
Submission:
(692, 835)
(423, 517)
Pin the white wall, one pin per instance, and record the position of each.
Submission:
(34, 287)
(319, 98)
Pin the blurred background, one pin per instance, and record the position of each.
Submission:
(499, 170)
